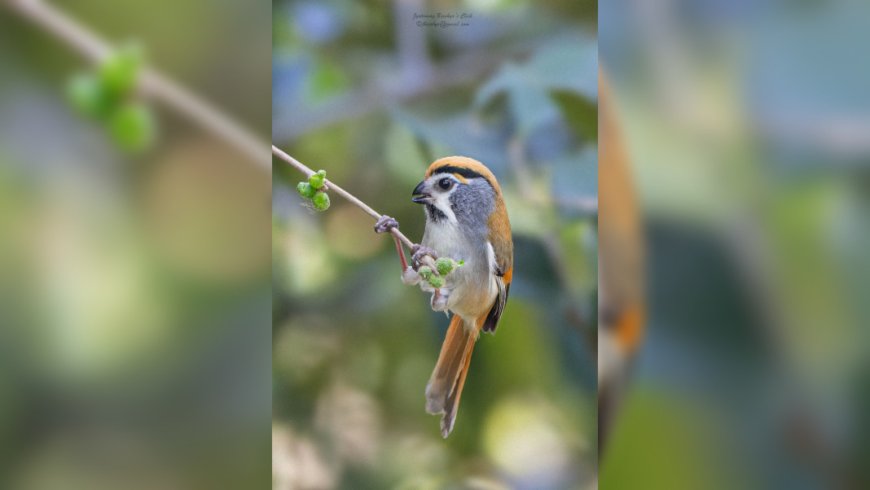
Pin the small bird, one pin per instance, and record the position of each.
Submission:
(466, 220)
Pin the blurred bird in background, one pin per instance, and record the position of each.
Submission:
(621, 277)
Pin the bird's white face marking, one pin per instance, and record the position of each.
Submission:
(440, 197)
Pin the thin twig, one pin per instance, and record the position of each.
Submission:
(341, 192)
(153, 83)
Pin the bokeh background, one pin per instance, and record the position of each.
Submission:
(134, 288)
(748, 127)
(363, 92)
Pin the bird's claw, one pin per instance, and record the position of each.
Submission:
(410, 277)
(439, 299)
(418, 252)
(385, 224)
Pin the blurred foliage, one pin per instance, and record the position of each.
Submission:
(134, 344)
(748, 129)
(362, 92)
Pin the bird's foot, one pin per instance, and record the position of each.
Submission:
(385, 224)
(418, 252)
(410, 276)
(439, 299)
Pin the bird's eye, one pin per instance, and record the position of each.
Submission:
(445, 184)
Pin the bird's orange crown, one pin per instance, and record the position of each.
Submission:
(463, 168)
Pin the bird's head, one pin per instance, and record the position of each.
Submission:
(458, 190)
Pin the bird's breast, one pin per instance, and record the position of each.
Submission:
(472, 287)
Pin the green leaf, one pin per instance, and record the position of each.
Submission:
(132, 127)
(317, 179)
(580, 113)
(425, 272)
(86, 94)
(444, 265)
(306, 190)
(321, 201)
(119, 73)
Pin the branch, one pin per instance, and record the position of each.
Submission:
(341, 192)
(153, 83)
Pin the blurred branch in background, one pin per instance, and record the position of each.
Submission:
(153, 83)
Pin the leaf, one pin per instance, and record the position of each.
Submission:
(566, 64)
(132, 127)
(119, 73)
(580, 114)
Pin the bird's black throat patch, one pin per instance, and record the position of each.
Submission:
(435, 214)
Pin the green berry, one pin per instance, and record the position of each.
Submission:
(305, 190)
(132, 127)
(321, 201)
(119, 73)
(86, 94)
(317, 179)
(444, 265)
(436, 281)
(425, 272)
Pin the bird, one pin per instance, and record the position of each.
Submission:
(466, 220)
(622, 306)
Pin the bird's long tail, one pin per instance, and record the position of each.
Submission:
(445, 386)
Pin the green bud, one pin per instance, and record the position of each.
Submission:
(119, 73)
(321, 201)
(317, 179)
(305, 190)
(444, 265)
(132, 127)
(436, 281)
(86, 94)
(425, 272)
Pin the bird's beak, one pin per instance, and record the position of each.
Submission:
(419, 196)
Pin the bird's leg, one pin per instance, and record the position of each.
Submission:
(386, 224)
(439, 299)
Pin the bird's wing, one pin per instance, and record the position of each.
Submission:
(502, 271)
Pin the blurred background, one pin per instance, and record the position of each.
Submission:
(362, 91)
(134, 287)
(748, 130)
(135, 343)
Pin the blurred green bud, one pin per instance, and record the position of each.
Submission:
(321, 201)
(132, 126)
(445, 265)
(119, 73)
(425, 272)
(317, 179)
(305, 190)
(436, 281)
(86, 94)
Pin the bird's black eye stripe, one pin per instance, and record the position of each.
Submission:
(465, 172)
(445, 183)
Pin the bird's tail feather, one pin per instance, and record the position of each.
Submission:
(445, 385)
